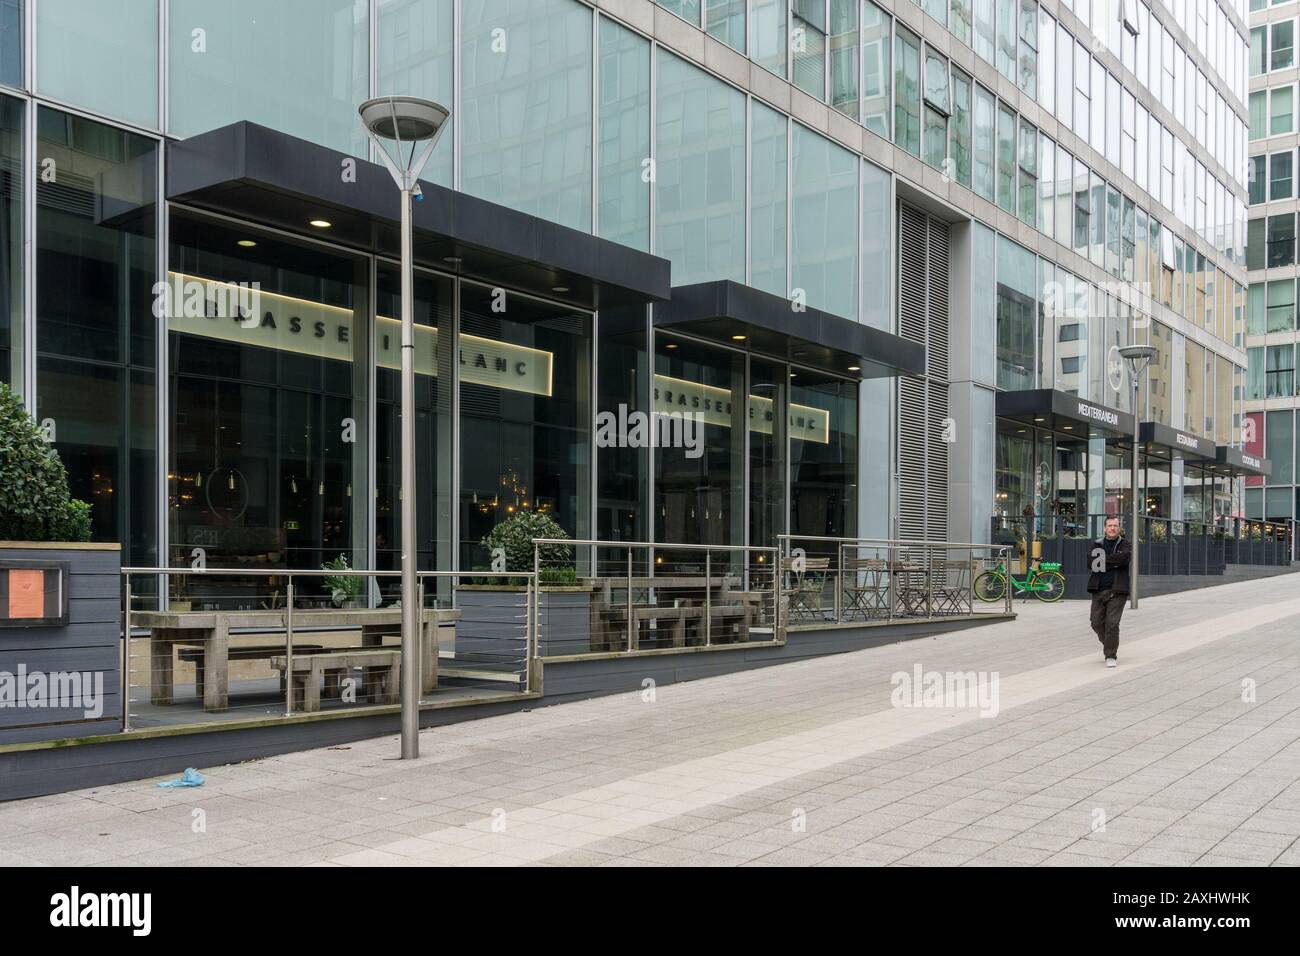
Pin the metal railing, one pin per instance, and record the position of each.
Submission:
(300, 628)
(596, 597)
(1170, 547)
(852, 580)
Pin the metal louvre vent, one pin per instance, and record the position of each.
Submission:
(923, 402)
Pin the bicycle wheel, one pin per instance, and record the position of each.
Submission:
(990, 586)
(1053, 585)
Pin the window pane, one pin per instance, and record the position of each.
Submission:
(1006, 159)
(1255, 177)
(1017, 308)
(844, 56)
(959, 147)
(984, 137)
(1283, 52)
(11, 42)
(984, 30)
(95, 328)
(415, 59)
(526, 112)
(1281, 240)
(1027, 159)
(767, 30)
(808, 42)
(103, 54)
(1007, 23)
(907, 93)
(1280, 120)
(301, 66)
(624, 136)
(700, 173)
(725, 19)
(767, 218)
(877, 233)
(823, 233)
(875, 68)
(11, 242)
(1280, 175)
(1281, 306)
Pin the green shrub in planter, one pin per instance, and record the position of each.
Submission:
(515, 535)
(35, 504)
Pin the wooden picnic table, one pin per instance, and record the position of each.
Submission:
(686, 592)
(210, 630)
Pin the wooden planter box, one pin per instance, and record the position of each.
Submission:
(60, 675)
(493, 623)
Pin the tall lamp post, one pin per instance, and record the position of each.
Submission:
(1138, 358)
(407, 121)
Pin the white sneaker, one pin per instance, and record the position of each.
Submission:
(1111, 662)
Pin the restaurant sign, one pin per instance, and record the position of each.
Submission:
(33, 593)
(233, 313)
(713, 405)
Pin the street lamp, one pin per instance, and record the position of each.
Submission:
(1138, 358)
(403, 120)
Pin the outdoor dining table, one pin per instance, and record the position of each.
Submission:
(210, 630)
(687, 594)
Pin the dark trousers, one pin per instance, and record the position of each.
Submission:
(1107, 609)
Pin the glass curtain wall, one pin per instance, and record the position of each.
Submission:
(525, 415)
(823, 423)
(12, 281)
(268, 404)
(96, 230)
(433, 308)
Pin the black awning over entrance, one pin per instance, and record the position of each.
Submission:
(1239, 462)
(726, 311)
(270, 178)
(1163, 441)
(1063, 412)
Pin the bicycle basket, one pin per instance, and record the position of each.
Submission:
(1050, 566)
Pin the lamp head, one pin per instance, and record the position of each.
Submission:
(392, 121)
(1138, 356)
(403, 118)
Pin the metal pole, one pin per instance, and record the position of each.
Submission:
(708, 603)
(410, 611)
(126, 650)
(631, 617)
(288, 648)
(1133, 493)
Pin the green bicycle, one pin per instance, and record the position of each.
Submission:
(1044, 580)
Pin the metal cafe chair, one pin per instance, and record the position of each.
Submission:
(804, 595)
(952, 592)
(866, 591)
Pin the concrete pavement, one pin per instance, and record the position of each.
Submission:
(1187, 754)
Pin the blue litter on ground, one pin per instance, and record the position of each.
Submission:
(190, 778)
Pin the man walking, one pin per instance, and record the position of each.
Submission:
(1109, 588)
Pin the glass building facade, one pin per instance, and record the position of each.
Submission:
(1020, 188)
(1272, 398)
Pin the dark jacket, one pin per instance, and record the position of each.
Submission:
(1116, 562)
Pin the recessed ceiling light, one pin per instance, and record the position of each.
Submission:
(321, 223)
(1040, 419)
(855, 368)
(246, 243)
(670, 345)
(453, 260)
(559, 288)
(738, 338)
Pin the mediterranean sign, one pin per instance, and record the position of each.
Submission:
(714, 406)
(33, 593)
(242, 316)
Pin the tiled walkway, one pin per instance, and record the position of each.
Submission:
(1188, 753)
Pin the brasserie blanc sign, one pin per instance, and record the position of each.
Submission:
(242, 315)
(713, 405)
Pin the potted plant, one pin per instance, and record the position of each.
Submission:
(344, 589)
(492, 604)
(54, 576)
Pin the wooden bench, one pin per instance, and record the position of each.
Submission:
(260, 652)
(380, 683)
